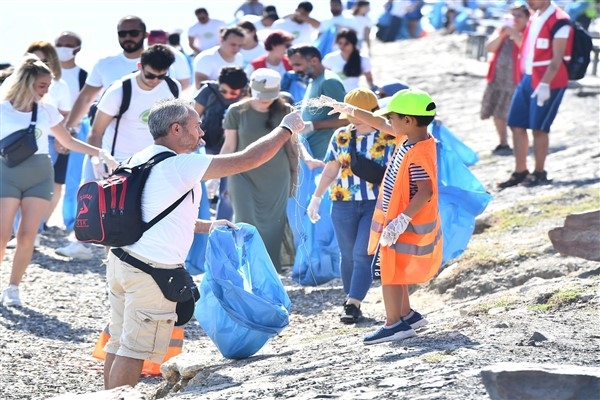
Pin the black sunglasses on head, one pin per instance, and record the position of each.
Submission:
(131, 32)
(150, 75)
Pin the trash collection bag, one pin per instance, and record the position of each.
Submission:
(450, 140)
(194, 262)
(242, 300)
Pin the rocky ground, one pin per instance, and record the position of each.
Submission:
(509, 297)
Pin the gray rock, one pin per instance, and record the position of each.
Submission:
(580, 236)
(509, 381)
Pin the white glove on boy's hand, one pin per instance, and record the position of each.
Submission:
(293, 122)
(542, 92)
(337, 106)
(390, 233)
(313, 209)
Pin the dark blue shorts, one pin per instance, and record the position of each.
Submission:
(524, 111)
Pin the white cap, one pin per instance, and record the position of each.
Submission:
(265, 84)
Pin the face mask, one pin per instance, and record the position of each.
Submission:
(65, 53)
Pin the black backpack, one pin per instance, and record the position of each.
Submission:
(125, 102)
(212, 120)
(109, 211)
(580, 51)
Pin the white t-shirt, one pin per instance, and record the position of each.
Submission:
(252, 54)
(361, 22)
(169, 241)
(334, 62)
(340, 21)
(133, 134)
(206, 35)
(59, 95)
(13, 120)
(71, 77)
(210, 62)
(180, 69)
(303, 32)
(109, 69)
(537, 21)
(279, 68)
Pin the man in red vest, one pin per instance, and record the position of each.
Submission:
(540, 91)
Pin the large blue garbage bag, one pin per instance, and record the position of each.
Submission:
(462, 197)
(242, 300)
(294, 85)
(450, 140)
(317, 252)
(194, 262)
(325, 42)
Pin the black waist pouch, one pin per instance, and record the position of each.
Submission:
(20, 145)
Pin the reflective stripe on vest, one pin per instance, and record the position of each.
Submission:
(416, 250)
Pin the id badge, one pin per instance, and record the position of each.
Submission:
(542, 43)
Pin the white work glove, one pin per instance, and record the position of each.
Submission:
(308, 128)
(542, 92)
(390, 233)
(100, 171)
(108, 160)
(337, 106)
(293, 122)
(313, 209)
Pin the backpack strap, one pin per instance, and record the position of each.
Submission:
(172, 86)
(217, 97)
(82, 77)
(557, 25)
(126, 100)
(149, 164)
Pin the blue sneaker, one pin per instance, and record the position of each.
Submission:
(416, 320)
(383, 334)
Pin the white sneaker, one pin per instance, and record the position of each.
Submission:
(12, 243)
(10, 296)
(75, 250)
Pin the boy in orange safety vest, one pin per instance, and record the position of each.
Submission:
(406, 228)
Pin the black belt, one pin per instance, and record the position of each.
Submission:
(131, 260)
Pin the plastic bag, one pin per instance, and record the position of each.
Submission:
(242, 300)
(317, 251)
(450, 140)
(194, 262)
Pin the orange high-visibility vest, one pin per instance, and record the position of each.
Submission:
(417, 255)
(149, 367)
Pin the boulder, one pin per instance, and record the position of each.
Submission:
(580, 236)
(525, 381)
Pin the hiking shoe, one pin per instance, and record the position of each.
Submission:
(10, 296)
(351, 314)
(502, 150)
(514, 180)
(75, 250)
(416, 320)
(536, 178)
(385, 334)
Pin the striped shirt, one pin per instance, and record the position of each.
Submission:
(416, 173)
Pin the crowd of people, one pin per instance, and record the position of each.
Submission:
(255, 83)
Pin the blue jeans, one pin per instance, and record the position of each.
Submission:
(352, 223)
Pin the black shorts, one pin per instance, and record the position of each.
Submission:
(60, 169)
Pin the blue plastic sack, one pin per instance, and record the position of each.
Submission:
(317, 252)
(325, 42)
(194, 262)
(242, 300)
(450, 140)
(294, 85)
(462, 197)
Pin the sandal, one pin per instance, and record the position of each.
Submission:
(514, 180)
(536, 178)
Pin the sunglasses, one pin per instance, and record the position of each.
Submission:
(150, 76)
(233, 92)
(131, 32)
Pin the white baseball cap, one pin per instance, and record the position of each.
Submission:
(265, 84)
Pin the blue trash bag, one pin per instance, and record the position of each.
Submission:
(317, 251)
(443, 134)
(294, 85)
(73, 178)
(462, 197)
(242, 300)
(325, 42)
(576, 8)
(437, 14)
(194, 262)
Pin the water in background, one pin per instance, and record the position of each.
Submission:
(25, 21)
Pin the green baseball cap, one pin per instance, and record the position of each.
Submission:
(413, 102)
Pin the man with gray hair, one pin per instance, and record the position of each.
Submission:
(142, 319)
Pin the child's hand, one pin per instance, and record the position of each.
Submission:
(397, 226)
(337, 106)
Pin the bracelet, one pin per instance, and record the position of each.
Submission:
(287, 129)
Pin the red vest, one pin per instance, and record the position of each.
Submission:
(261, 62)
(515, 60)
(543, 57)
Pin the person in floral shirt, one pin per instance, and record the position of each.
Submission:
(353, 198)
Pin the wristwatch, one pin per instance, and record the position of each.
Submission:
(73, 131)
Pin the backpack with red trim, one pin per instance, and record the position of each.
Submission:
(109, 211)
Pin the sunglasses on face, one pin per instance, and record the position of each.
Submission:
(150, 76)
(131, 32)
